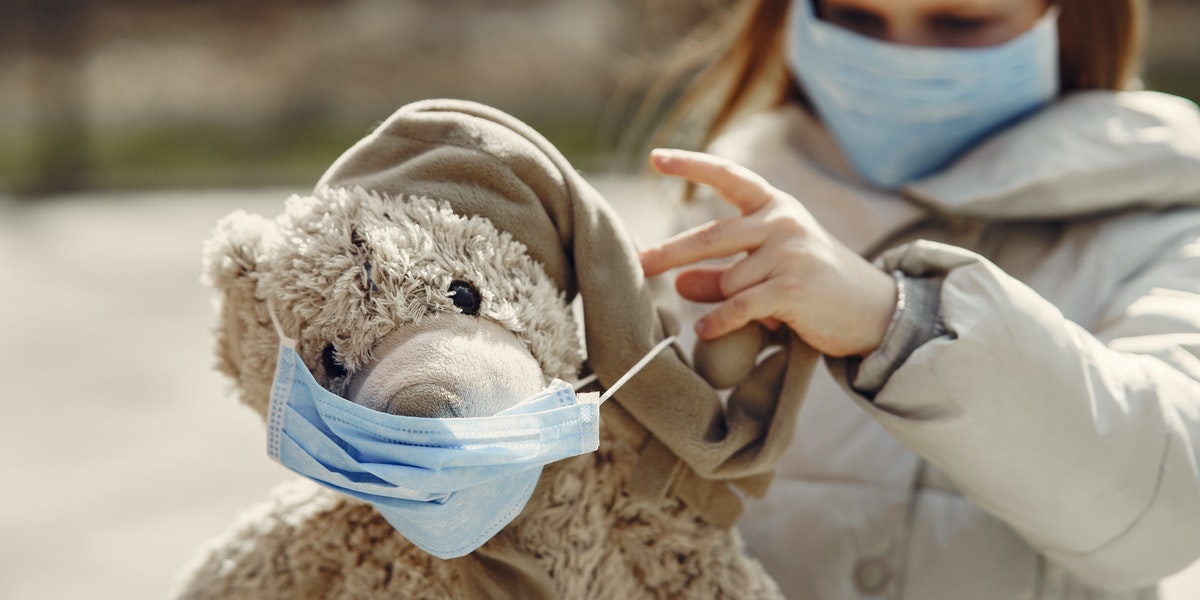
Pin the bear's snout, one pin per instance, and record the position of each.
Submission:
(425, 400)
(447, 366)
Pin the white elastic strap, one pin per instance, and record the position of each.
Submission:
(283, 339)
(637, 367)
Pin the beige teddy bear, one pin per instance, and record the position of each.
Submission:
(431, 275)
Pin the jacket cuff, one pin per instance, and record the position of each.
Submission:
(917, 320)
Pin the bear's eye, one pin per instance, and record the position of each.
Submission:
(333, 368)
(465, 297)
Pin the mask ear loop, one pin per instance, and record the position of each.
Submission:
(284, 340)
(638, 366)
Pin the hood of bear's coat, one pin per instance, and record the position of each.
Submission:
(483, 162)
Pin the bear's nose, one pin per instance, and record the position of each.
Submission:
(447, 366)
(425, 400)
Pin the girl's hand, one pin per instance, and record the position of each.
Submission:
(794, 272)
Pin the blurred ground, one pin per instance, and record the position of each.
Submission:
(124, 449)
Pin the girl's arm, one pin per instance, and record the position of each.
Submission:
(1086, 444)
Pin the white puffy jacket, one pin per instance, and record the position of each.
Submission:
(1048, 445)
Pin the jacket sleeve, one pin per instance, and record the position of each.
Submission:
(1087, 444)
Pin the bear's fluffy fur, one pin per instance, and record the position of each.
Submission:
(343, 268)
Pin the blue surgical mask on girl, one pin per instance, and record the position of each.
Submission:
(902, 112)
(446, 484)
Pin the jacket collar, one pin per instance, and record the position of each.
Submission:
(1089, 153)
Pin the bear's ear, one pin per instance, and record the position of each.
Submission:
(234, 257)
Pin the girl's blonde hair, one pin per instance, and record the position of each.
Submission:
(1100, 47)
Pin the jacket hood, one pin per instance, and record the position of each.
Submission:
(1089, 153)
(482, 162)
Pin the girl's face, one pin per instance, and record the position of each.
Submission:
(959, 23)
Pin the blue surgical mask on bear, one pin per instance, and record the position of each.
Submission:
(446, 484)
(901, 112)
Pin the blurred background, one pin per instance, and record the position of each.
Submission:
(136, 94)
(128, 127)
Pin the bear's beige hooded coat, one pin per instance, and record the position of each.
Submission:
(1047, 446)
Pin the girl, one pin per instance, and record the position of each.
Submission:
(997, 246)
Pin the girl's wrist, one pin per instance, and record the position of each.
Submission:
(882, 317)
(916, 319)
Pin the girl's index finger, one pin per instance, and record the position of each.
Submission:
(680, 250)
(738, 185)
(715, 239)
